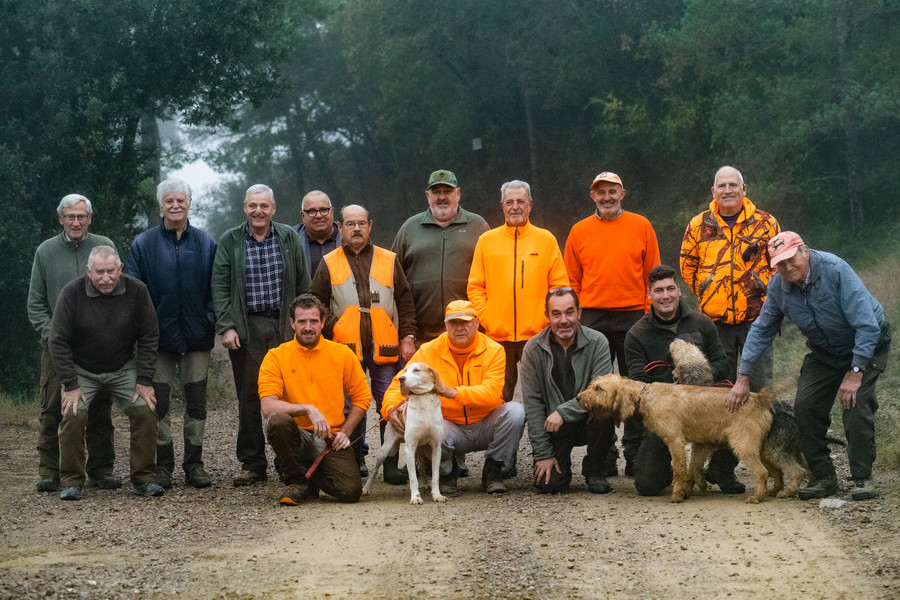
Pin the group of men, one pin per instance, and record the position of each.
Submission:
(306, 312)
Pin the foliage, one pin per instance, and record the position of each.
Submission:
(84, 83)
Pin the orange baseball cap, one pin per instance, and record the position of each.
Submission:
(459, 309)
(607, 176)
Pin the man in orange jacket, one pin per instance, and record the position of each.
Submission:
(510, 301)
(475, 416)
(302, 385)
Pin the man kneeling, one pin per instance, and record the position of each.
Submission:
(302, 384)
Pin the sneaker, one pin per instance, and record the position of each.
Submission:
(197, 477)
(47, 484)
(248, 477)
(820, 488)
(148, 490)
(293, 495)
(70, 493)
(107, 482)
(728, 484)
(862, 489)
(164, 478)
(598, 485)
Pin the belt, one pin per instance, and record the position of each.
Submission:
(272, 313)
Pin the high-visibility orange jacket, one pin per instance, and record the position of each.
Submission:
(479, 386)
(728, 267)
(320, 376)
(512, 269)
(609, 261)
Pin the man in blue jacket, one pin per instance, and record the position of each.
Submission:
(849, 340)
(175, 261)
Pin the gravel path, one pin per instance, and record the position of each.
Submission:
(224, 542)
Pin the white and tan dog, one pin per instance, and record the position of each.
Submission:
(424, 426)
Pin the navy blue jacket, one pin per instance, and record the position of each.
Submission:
(177, 274)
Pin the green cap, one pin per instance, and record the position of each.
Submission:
(442, 177)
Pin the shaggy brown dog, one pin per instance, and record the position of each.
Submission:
(780, 450)
(687, 414)
(690, 366)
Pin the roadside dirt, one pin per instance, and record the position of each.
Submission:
(239, 543)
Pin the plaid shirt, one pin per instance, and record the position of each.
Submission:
(264, 273)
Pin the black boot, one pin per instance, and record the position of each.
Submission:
(447, 484)
(491, 477)
(392, 474)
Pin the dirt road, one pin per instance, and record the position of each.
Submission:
(238, 543)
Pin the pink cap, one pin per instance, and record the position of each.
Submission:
(607, 176)
(783, 246)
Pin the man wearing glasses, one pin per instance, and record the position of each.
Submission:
(372, 308)
(319, 234)
(58, 261)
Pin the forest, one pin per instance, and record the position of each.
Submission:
(364, 98)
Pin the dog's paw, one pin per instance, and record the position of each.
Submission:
(417, 499)
(439, 498)
(752, 499)
(676, 498)
(365, 491)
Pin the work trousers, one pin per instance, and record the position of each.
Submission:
(513, 351)
(337, 475)
(596, 434)
(101, 452)
(142, 424)
(193, 369)
(820, 378)
(498, 434)
(263, 334)
(733, 338)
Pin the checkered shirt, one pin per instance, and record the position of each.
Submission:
(264, 273)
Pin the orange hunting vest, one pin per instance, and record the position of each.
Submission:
(383, 311)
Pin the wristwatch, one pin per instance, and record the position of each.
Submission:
(856, 369)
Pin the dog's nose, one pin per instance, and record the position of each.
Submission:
(402, 379)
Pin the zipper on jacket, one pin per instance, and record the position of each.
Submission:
(469, 383)
(515, 259)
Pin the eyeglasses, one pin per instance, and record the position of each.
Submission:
(73, 218)
(355, 224)
(314, 212)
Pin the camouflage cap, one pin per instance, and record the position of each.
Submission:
(443, 177)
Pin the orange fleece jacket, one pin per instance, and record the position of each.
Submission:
(609, 261)
(479, 387)
(512, 269)
(317, 376)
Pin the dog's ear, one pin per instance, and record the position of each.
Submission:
(439, 388)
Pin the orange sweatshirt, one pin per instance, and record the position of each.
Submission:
(479, 385)
(609, 261)
(317, 376)
(512, 269)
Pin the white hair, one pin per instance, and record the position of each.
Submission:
(72, 200)
(515, 183)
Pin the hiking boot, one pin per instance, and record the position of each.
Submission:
(598, 485)
(363, 470)
(47, 484)
(728, 483)
(392, 473)
(164, 478)
(463, 468)
(491, 477)
(294, 495)
(447, 483)
(248, 477)
(862, 489)
(513, 469)
(822, 487)
(70, 493)
(107, 482)
(196, 477)
(148, 490)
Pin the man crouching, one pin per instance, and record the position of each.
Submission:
(302, 384)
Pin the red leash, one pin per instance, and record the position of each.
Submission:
(328, 447)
